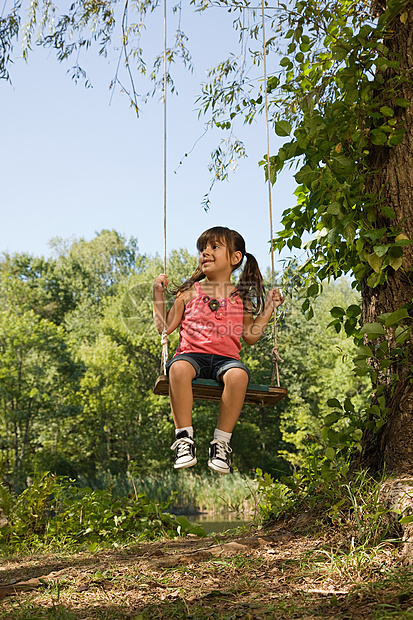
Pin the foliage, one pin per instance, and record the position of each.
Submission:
(336, 94)
(93, 412)
(329, 494)
(196, 492)
(35, 373)
(376, 356)
(317, 364)
(53, 512)
(348, 103)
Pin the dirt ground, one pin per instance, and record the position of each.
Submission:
(277, 572)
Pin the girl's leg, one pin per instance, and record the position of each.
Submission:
(235, 385)
(181, 374)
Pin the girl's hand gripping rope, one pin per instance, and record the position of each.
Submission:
(274, 297)
(161, 283)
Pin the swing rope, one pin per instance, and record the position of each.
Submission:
(164, 339)
(275, 355)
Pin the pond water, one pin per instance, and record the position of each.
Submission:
(214, 524)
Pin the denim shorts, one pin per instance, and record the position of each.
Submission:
(208, 366)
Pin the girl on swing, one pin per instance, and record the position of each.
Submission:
(213, 318)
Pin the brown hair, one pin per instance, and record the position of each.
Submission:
(250, 285)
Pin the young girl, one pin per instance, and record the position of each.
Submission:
(213, 317)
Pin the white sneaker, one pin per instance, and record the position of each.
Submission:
(184, 447)
(219, 452)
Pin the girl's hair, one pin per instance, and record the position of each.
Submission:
(250, 285)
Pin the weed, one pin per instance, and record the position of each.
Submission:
(194, 492)
(52, 513)
(28, 611)
(334, 495)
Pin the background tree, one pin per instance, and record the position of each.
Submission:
(77, 397)
(37, 375)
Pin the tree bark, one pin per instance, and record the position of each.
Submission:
(392, 447)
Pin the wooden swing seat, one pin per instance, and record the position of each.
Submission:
(208, 389)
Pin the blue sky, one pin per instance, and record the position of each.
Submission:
(74, 160)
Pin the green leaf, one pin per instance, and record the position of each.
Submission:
(373, 330)
(378, 137)
(395, 262)
(364, 351)
(333, 402)
(336, 323)
(386, 111)
(402, 239)
(381, 250)
(282, 128)
(375, 262)
(313, 290)
(348, 405)
(334, 208)
(350, 325)
(381, 63)
(402, 103)
(331, 418)
(337, 312)
(309, 314)
(345, 162)
(339, 52)
(396, 317)
(388, 211)
(285, 62)
(330, 454)
(396, 250)
(353, 311)
(272, 83)
(405, 520)
(397, 137)
(402, 333)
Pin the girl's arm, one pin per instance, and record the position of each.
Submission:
(254, 328)
(174, 315)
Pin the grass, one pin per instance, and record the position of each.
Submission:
(34, 612)
(340, 562)
(285, 573)
(194, 492)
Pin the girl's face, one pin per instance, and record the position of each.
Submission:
(215, 258)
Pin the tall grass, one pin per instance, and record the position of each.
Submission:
(194, 493)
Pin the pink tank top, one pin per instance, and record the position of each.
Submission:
(217, 332)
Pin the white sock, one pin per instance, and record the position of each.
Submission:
(189, 429)
(222, 435)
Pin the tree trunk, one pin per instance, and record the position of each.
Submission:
(392, 447)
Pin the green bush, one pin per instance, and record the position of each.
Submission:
(54, 512)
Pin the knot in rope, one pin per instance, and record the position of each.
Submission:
(275, 355)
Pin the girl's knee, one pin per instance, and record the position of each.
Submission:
(235, 376)
(181, 371)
